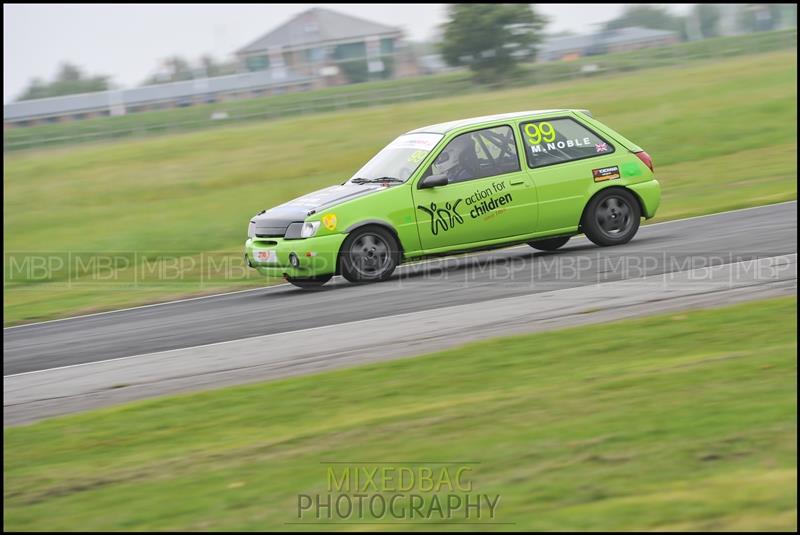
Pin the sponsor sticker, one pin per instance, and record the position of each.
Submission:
(417, 156)
(423, 141)
(329, 220)
(605, 173)
(443, 216)
(266, 256)
(538, 132)
(486, 203)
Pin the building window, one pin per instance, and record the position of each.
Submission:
(257, 63)
(387, 46)
(315, 55)
(350, 51)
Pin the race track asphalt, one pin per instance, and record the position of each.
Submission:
(461, 280)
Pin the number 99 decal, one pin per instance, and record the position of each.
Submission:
(540, 132)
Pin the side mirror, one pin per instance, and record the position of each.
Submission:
(433, 181)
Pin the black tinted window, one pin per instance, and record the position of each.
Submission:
(560, 140)
(479, 154)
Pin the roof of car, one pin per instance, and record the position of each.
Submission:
(443, 128)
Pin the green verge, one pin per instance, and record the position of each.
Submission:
(686, 421)
(723, 135)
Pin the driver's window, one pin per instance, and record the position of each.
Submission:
(480, 154)
(445, 161)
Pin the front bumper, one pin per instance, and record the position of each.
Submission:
(315, 256)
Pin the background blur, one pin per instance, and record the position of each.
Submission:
(317, 48)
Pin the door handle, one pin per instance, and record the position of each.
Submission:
(517, 183)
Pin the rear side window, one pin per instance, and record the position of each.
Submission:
(552, 141)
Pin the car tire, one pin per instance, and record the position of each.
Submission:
(612, 217)
(309, 282)
(550, 244)
(369, 254)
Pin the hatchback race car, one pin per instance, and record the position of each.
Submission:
(536, 177)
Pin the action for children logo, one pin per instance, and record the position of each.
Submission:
(398, 492)
(443, 217)
(482, 202)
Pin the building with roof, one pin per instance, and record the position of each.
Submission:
(331, 47)
(605, 42)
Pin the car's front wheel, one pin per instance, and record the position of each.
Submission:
(369, 254)
(612, 217)
(550, 244)
(309, 282)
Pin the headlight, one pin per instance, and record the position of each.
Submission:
(309, 229)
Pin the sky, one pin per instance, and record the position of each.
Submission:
(129, 41)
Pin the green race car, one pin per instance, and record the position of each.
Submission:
(537, 176)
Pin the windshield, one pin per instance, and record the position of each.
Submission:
(398, 160)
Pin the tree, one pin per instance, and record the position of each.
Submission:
(70, 80)
(491, 38)
(707, 15)
(648, 16)
(178, 69)
(211, 67)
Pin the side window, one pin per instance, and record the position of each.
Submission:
(479, 154)
(560, 140)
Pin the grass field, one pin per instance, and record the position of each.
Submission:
(678, 422)
(723, 135)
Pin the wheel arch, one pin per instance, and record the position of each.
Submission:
(370, 223)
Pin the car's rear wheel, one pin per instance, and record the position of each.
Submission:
(550, 244)
(369, 254)
(309, 282)
(612, 217)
